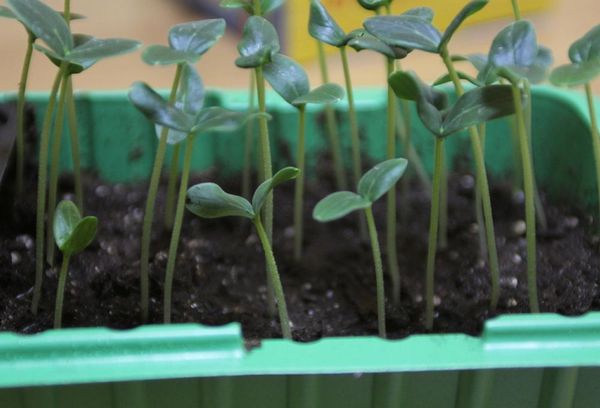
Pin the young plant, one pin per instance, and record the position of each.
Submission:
(418, 33)
(208, 200)
(186, 118)
(584, 67)
(187, 43)
(372, 186)
(289, 80)
(516, 57)
(72, 234)
(73, 54)
(472, 108)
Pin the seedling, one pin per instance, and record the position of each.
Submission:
(187, 118)
(289, 80)
(418, 33)
(472, 108)
(253, 7)
(371, 186)
(72, 234)
(73, 54)
(584, 67)
(208, 200)
(187, 43)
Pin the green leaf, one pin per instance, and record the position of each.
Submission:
(326, 93)
(196, 37)
(218, 119)
(405, 31)
(377, 181)
(323, 27)
(446, 78)
(286, 77)
(479, 61)
(339, 204)
(155, 108)
(94, 50)
(576, 74)
(373, 5)
(71, 232)
(468, 10)
(515, 46)
(208, 200)
(269, 6)
(587, 47)
(72, 68)
(260, 195)
(235, 4)
(259, 43)
(163, 55)
(477, 106)
(7, 13)
(424, 13)
(361, 40)
(45, 23)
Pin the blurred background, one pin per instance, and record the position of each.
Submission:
(558, 23)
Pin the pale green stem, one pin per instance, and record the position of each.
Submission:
(299, 187)
(150, 202)
(529, 202)
(379, 282)
(75, 151)
(249, 140)
(482, 184)
(595, 139)
(257, 7)
(443, 221)
(516, 9)
(284, 320)
(176, 233)
(517, 169)
(60, 291)
(479, 201)
(433, 231)
(172, 187)
(54, 168)
(20, 142)
(67, 11)
(354, 135)
(41, 191)
(332, 127)
(391, 240)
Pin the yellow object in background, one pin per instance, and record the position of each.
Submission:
(350, 15)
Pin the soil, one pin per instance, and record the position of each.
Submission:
(220, 275)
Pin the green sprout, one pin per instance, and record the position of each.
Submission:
(415, 32)
(375, 5)
(73, 54)
(289, 80)
(208, 200)
(584, 67)
(72, 234)
(187, 43)
(472, 108)
(187, 118)
(371, 186)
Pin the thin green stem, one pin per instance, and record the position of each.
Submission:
(172, 187)
(482, 184)
(75, 151)
(54, 167)
(433, 231)
(391, 240)
(528, 185)
(67, 11)
(284, 320)
(60, 291)
(299, 187)
(249, 140)
(176, 233)
(516, 9)
(595, 139)
(517, 169)
(41, 191)
(21, 115)
(443, 222)
(379, 283)
(149, 211)
(332, 127)
(257, 7)
(479, 201)
(354, 135)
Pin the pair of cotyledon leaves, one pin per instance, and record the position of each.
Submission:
(208, 200)
(187, 115)
(8, 13)
(72, 233)
(474, 107)
(585, 61)
(371, 186)
(187, 43)
(78, 50)
(266, 6)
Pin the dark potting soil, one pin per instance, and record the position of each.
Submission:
(220, 274)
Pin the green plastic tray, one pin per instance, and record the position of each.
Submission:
(541, 360)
